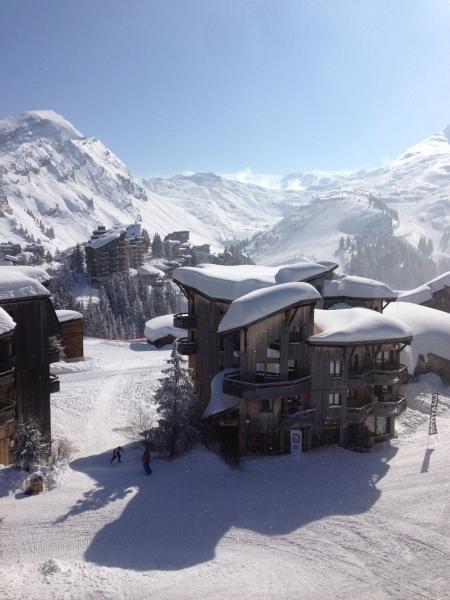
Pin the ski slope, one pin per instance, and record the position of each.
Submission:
(333, 525)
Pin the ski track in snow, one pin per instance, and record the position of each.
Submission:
(333, 525)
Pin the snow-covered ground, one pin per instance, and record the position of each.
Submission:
(334, 524)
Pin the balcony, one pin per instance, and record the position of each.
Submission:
(6, 376)
(390, 409)
(298, 419)
(357, 414)
(261, 391)
(380, 375)
(6, 414)
(184, 346)
(55, 385)
(184, 321)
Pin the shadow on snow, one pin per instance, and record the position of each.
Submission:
(180, 513)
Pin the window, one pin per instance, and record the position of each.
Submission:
(295, 334)
(334, 399)
(383, 357)
(336, 368)
(265, 405)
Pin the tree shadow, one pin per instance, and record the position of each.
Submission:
(180, 513)
(142, 346)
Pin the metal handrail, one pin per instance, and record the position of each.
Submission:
(252, 385)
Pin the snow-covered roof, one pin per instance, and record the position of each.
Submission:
(106, 238)
(259, 304)
(147, 269)
(219, 401)
(223, 282)
(15, 285)
(354, 326)
(6, 322)
(430, 328)
(37, 273)
(302, 271)
(425, 292)
(160, 327)
(68, 315)
(351, 286)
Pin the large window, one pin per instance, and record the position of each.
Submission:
(266, 405)
(384, 357)
(336, 367)
(334, 399)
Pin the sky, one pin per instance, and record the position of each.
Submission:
(266, 86)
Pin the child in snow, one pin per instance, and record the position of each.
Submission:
(117, 453)
(146, 462)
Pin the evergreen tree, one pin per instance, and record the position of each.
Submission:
(157, 246)
(31, 448)
(176, 407)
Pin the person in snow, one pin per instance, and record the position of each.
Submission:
(146, 462)
(117, 453)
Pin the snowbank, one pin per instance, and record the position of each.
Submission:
(106, 238)
(219, 401)
(37, 273)
(425, 292)
(160, 327)
(430, 327)
(6, 322)
(302, 271)
(15, 285)
(353, 326)
(351, 286)
(68, 315)
(259, 304)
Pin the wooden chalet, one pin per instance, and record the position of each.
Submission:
(350, 290)
(27, 302)
(71, 325)
(7, 415)
(107, 253)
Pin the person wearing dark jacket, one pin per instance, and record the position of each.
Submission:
(146, 462)
(117, 453)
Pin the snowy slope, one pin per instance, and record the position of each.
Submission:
(332, 525)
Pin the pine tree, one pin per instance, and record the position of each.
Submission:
(157, 246)
(31, 448)
(176, 407)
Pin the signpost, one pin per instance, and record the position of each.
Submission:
(432, 429)
(296, 443)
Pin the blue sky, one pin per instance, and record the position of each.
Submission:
(221, 85)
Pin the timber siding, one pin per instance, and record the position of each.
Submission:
(72, 338)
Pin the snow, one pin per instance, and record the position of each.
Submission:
(260, 304)
(332, 525)
(15, 285)
(68, 315)
(6, 322)
(351, 286)
(160, 327)
(302, 271)
(106, 238)
(430, 328)
(220, 402)
(425, 292)
(356, 326)
(38, 273)
(231, 282)
(148, 269)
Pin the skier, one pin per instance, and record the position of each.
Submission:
(146, 462)
(117, 453)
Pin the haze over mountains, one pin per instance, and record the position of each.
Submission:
(60, 183)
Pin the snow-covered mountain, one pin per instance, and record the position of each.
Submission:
(416, 185)
(56, 178)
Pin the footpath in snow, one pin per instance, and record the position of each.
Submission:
(334, 524)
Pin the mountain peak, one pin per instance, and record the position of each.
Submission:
(37, 124)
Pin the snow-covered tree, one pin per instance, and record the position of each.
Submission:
(176, 408)
(157, 246)
(31, 448)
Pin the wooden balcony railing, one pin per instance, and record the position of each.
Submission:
(390, 409)
(7, 414)
(184, 321)
(300, 418)
(233, 385)
(6, 376)
(380, 375)
(55, 385)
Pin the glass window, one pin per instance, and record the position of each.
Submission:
(266, 405)
(334, 399)
(336, 368)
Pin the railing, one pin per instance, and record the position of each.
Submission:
(379, 375)
(7, 414)
(356, 414)
(55, 385)
(184, 321)
(234, 386)
(6, 376)
(297, 419)
(390, 409)
(184, 346)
